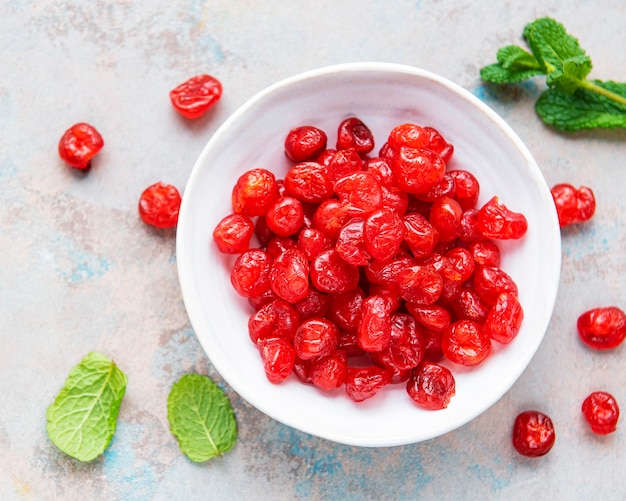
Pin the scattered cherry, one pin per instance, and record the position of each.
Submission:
(79, 144)
(533, 434)
(195, 96)
(602, 328)
(159, 205)
(601, 412)
(573, 205)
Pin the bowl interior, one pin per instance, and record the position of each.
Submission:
(383, 96)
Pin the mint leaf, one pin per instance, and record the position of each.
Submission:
(550, 43)
(514, 65)
(82, 418)
(584, 109)
(201, 417)
(572, 101)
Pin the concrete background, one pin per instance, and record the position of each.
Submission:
(80, 272)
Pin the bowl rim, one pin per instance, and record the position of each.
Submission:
(185, 273)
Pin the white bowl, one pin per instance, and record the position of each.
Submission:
(383, 96)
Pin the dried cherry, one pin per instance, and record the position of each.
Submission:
(602, 328)
(601, 412)
(573, 205)
(278, 356)
(195, 96)
(533, 434)
(465, 342)
(159, 205)
(353, 133)
(431, 386)
(79, 144)
(233, 233)
(305, 143)
(255, 191)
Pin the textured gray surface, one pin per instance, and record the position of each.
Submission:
(80, 272)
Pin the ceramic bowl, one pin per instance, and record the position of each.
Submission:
(383, 96)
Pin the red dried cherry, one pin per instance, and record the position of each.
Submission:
(345, 309)
(343, 163)
(233, 233)
(445, 216)
(353, 133)
(250, 275)
(312, 241)
(305, 143)
(374, 332)
(360, 193)
(315, 337)
(408, 134)
(602, 328)
(417, 170)
(79, 144)
(308, 182)
(290, 275)
(420, 235)
(278, 357)
(431, 386)
(194, 97)
(601, 412)
(329, 217)
(496, 220)
(364, 382)
(285, 216)
(469, 306)
(420, 284)
(350, 243)
(434, 317)
(465, 342)
(159, 205)
(254, 192)
(330, 273)
(275, 319)
(504, 320)
(485, 253)
(533, 434)
(329, 373)
(466, 188)
(315, 304)
(383, 233)
(490, 282)
(573, 205)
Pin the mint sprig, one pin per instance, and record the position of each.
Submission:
(82, 418)
(201, 417)
(572, 102)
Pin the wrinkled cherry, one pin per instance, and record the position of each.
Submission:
(496, 220)
(504, 320)
(465, 342)
(290, 276)
(330, 372)
(278, 356)
(315, 337)
(364, 382)
(233, 233)
(417, 170)
(374, 332)
(285, 216)
(194, 97)
(250, 275)
(602, 328)
(353, 133)
(159, 205)
(79, 144)
(533, 434)
(275, 319)
(308, 182)
(601, 412)
(305, 143)
(254, 192)
(383, 234)
(573, 205)
(431, 386)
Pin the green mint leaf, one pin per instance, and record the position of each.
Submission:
(82, 418)
(585, 109)
(201, 417)
(571, 75)
(514, 65)
(551, 44)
